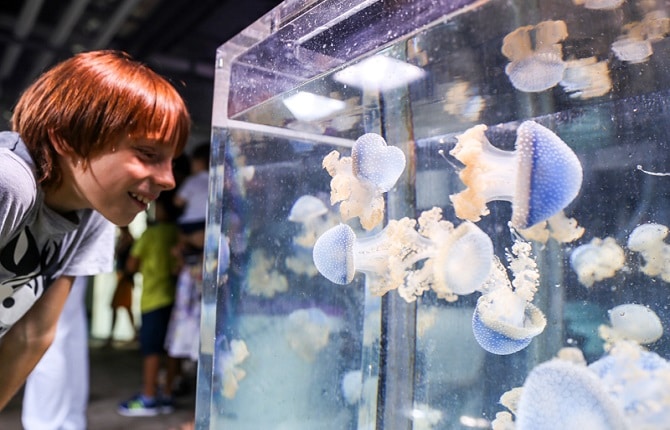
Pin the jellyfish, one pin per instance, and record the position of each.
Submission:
(648, 240)
(308, 211)
(505, 321)
(635, 45)
(599, 4)
(632, 322)
(536, 55)
(463, 101)
(638, 381)
(308, 332)
(559, 395)
(424, 417)
(597, 260)
(540, 177)
(262, 279)
(352, 386)
(586, 78)
(231, 373)
(360, 180)
(388, 257)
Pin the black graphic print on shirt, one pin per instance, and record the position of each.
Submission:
(29, 269)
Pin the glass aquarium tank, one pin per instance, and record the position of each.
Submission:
(440, 214)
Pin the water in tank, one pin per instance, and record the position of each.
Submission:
(438, 214)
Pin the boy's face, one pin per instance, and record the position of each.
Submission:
(120, 183)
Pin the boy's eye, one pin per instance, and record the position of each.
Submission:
(145, 153)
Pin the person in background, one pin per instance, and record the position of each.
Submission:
(123, 293)
(92, 142)
(56, 391)
(191, 197)
(151, 255)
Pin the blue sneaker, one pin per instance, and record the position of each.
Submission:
(165, 405)
(139, 406)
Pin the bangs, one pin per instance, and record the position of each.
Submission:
(159, 116)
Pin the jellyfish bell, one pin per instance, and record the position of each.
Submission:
(467, 247)
(536, 56)
(333, 254)
(359, 181)
(503, 323)
(540, 177)
(636, 322)
(649, 241)
(537, 73)
(376, 162)
(599, 4)
(306, 208)
(560, 395)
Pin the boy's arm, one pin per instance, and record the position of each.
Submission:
(25, 343)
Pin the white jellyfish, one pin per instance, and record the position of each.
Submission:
(536, 55)
(638, 381)
(231, 373)
(649, 241)
(388, 257)
(560, 395)
(308, 331)
(599, 4)
(632, 322)
(360, 180)
(635, 45)
(463, 101)
(308, 211)
(632, 47)
(597, 260)
(262, 278)
(505, 321)
(586, 78)
(352, 386)
(540, 177)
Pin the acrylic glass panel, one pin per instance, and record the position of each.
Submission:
(284, 347)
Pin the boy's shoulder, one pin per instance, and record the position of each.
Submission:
(18, 184)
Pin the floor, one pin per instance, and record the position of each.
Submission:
(115, 376)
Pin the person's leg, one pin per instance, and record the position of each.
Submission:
(56, 392)
(150, 369)
(132, 321)
(152, 337)
(110, 339)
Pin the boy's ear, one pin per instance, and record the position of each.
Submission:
(59, 144)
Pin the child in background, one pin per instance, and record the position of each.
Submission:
(123, 293)
(191, 196)
(151, 255)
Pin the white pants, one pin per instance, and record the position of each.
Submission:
(56, 392)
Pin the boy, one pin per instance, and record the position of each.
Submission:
(93, 141)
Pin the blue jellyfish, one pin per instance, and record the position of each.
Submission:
(540, 177)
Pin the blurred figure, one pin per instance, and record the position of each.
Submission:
(191, 197)
(56, 391)
(123, 294)
(151, 255)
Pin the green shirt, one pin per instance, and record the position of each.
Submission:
(153, 249)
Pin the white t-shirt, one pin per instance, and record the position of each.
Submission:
(194, 192)
(38, 245)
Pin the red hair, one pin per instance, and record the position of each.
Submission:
(90, 101)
